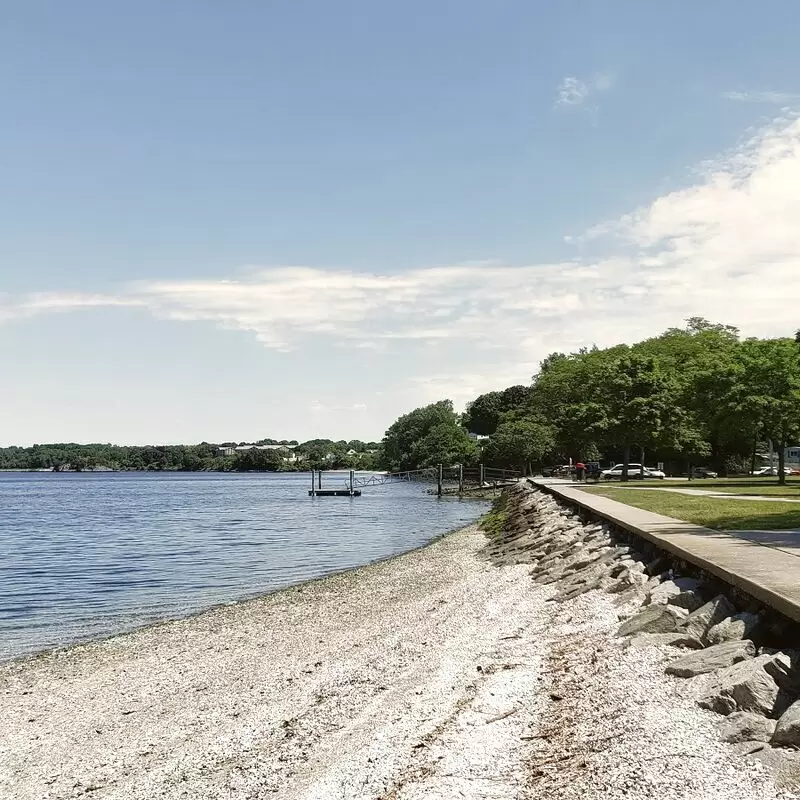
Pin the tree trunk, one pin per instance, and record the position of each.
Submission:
(626, 457)
(641, 453)
(753, 459)
(781, 462)
(717, 458)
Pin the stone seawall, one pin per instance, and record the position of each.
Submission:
(737, 655)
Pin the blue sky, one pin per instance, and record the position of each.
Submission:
(229, 221)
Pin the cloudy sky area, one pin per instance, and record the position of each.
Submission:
(231, 221)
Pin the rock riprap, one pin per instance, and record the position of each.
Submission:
(756, 690)
(744, 726)
(712, 659)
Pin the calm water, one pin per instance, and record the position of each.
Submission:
(87, 555)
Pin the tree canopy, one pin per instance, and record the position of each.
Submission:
(426, 437)
(694, 393)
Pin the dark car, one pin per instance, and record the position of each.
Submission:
(704, 472)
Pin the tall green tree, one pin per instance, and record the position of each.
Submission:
(484, 413)
(771, 381)
(426, 437)
(520, 443)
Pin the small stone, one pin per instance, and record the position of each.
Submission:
(749, 747)
(710, 660)
(744, 726)
(739, 626)
(699, 622)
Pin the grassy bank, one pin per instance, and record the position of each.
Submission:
(712, 512)
(493, 522)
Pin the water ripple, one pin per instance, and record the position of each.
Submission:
(87, 555)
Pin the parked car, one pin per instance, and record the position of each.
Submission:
(704, 472)
(635, 472)
(771, 472)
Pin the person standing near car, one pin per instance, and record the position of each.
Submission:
(580, 471)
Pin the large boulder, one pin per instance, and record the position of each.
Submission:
(762, 685)
(668, 590)
(699, 622)
(658, 639)
(739, 626)
(787, 731)
(652, 619)
(744, 726)
(691, 600)
(784, 765)
(713, 658)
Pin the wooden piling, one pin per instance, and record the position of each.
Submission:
(313, 488)
(352, 481)
(439, 483)
(460, 478)
(319, 479)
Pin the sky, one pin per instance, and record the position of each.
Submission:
(301, 219)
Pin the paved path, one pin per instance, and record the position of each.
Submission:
(762, 563)
(785, 541)
(677, 490)
(706, 493)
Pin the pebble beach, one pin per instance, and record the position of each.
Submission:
(436, 674)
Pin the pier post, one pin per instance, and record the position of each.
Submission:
(460, 478)
(481, 482)
(352, 481)
(313, 490)
(319, 479)
(439, 483)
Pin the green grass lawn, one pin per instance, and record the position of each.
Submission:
(713, 512)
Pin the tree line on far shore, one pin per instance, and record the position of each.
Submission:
(316, 453)
(694, 395)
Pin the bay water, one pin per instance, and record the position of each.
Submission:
(87, 555)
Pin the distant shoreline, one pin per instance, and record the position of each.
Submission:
(107, 470)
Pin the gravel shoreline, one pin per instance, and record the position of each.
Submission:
(435, 674)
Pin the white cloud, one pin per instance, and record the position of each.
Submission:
(317, 407)
(31, 305)
(775, 98)
(573, 91)
(726, 247)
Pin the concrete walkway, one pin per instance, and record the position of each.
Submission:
(674, 490)
(699, 493)
(762, 563)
